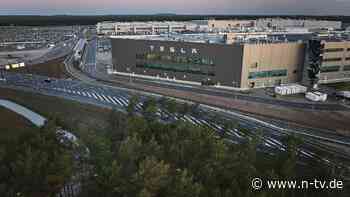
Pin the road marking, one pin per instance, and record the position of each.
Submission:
(93, 94)
(195, 120)
(110, 98)
(189, 120)
(123, 101)
(106, 99)
(139, 106)
(267, 144)
(119, 101)
(205, 122)
(99, 97)
(236, 134)
(126, 100)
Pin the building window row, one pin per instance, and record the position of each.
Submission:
(346, 68)
(267, 74)
(336, 59)
(327, 69)
(176, 68)
(175, 59)
(329, 50)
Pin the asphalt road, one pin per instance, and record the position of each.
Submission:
(35, 118)
(60, 50)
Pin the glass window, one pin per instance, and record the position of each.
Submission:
(346, 67)
(326, 69)
(332, 59)
(267, 74)
(161, 48)
(176, 68)
(176, 58)
(333, 50)
(254, 65)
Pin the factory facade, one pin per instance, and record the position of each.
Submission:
(238, 65)
(211, 25)
(144, 28)
(335, 62)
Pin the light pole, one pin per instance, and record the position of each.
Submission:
(234, 94)
(129, 70)
(2, 73)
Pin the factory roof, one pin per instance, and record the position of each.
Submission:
(195, 38)
(141, 23)
(220, 38)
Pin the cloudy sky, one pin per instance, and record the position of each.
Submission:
(311, 7)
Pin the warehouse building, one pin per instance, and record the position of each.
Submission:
(211, 25)
(207, 59)
(144, 28)
(335, 64)
(281, 23)
(227, 25)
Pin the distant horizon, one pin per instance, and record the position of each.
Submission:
(166, 14)
(183, 7)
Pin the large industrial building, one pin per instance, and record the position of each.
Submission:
(228, 53)
(144, 28)
(207, 59)
(301, 23)
(335, 61)
(211, 25)
(227, 25)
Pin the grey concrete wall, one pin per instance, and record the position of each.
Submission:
(227, 59)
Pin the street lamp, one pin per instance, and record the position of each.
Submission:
(234, 94)
(129, 70)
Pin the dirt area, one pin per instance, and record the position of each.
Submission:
(78, 116)
(53, 68)
(11, 124)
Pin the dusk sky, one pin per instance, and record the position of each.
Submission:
(312, 7)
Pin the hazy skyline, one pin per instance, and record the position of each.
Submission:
(51, 7)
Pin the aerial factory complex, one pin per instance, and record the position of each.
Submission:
(236, 98)
(233, 54)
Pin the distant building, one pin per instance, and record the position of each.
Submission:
(211, 25)
(144, 28)
(268, 36)
(304, 23)
(335, 65)
(227, 25)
